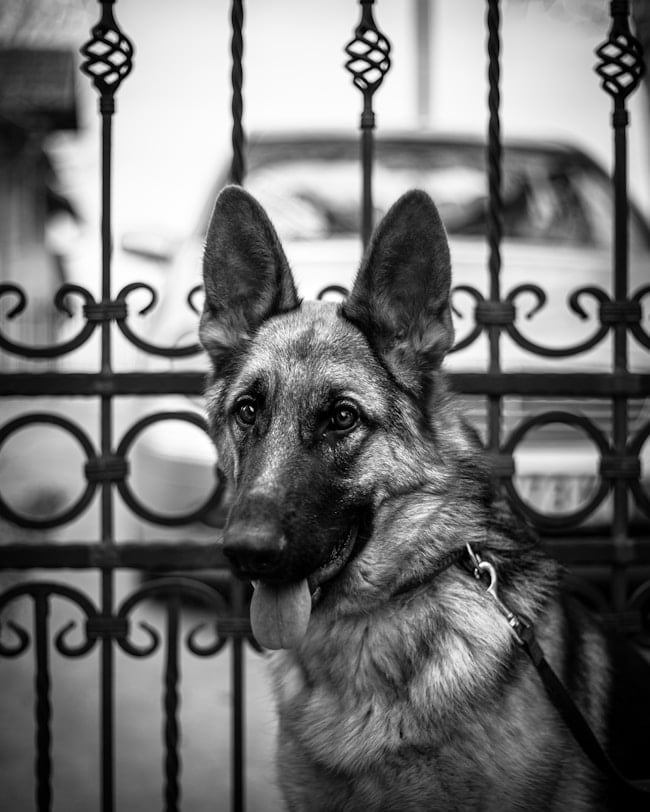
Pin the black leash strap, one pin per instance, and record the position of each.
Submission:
(574, 719)
(558, 694)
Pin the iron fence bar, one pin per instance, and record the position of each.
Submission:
(181, 555)
(237, 174)
(107, 700)
(170, 557)
(91, 384)
(48, 384)
(108, 60)
(238, 163)
(368, 62)
(552, 384)
(107, 677)
(621, 68)
(238, 710)
(494, 215)
(494, 167)
(620, 284)
(170, 706)
(42, 684)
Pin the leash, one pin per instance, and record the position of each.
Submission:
(558, 694)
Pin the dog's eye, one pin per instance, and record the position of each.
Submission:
(344, 417)
(245, 411)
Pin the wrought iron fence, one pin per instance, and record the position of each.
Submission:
(616, 559)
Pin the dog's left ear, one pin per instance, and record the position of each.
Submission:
(246, 275)
(400, 298)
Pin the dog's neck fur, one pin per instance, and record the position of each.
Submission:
(468, 646)
(464, 632)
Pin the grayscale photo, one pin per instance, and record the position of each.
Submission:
(325, 405)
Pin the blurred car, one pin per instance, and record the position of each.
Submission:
(557, 234)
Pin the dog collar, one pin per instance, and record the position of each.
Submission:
(457, 556)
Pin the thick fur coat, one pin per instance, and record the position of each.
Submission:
(400, 685)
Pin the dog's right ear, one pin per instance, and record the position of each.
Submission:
(400, 298)
(246, 275)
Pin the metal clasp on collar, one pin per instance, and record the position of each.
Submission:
(481, 567)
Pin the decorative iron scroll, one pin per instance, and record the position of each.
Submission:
(542, 520)
(175, 592)
(111, 468)
(63, 306)
(369, 56)
(95, 314)
(45, 418)
(108, 55)
(41, 594)
(621, 69)
(622, 66)
(368, 62)
(131, 499)
(119, 625)
(184, 351)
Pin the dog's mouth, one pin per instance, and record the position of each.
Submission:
(280, 612)
(338, 559)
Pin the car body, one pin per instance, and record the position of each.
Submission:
(557, 235)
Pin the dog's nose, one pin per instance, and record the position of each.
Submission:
(254, 552)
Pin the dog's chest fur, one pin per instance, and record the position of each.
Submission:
(366, 724)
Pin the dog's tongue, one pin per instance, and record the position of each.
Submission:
(280, 614)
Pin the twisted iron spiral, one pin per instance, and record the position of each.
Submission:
(109, 54)
(622, 66)
(368, 52)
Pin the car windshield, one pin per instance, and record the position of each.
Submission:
(311, 189)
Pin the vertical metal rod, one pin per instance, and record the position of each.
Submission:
(107, 62)
(107, 108)
(238, 719)
(237, 175)
(171, 703)
(620, 426)
(494, 163)
(621, 68)
(620, 120)
(238, 164)
(495, 210)
(368, 62)
(43, 705)
(367, 162)
(107, 701)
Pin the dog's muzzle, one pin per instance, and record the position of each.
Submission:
(280, 609)
(254, 542)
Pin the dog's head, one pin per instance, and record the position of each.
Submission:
(305, 400)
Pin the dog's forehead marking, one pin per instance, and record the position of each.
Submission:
(314, 344)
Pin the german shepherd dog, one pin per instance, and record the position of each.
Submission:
(399, 683)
